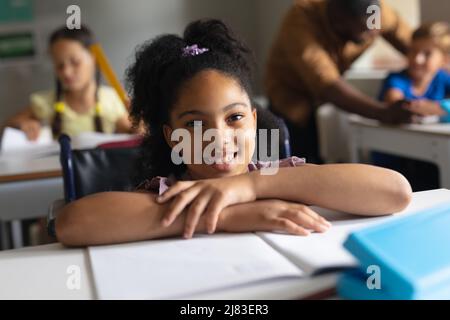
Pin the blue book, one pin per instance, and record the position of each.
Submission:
(411, 252)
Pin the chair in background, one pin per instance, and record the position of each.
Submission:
(332, 123)
(109, 167)
(96, 170)
(333, 131)
(267, 120)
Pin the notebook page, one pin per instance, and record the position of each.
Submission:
(13, 139)
(177, 268)
(320, 252)
(14, 143)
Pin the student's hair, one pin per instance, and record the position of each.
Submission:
(161, 69)
(438, 32)
(86, 38)
(353, 8)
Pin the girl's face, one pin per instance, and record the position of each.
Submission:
(425, 59)
(220, 103)
(74, 65)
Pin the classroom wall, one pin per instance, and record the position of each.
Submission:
(269, 16)
(120, 27)
(433, 10)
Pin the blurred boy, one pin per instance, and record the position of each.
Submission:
(425, 83)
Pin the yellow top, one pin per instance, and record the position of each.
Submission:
(74, 123)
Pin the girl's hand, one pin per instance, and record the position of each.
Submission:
(31, 128)
(273, 215)
(206, 196)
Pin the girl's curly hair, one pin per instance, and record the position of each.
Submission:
(160, 70)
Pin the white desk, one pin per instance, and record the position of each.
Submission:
(41, 272)
(31, 180)
(428, 142)
(27, 187)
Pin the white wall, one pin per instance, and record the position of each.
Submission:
(120, 25)
(382, 54)
(434, 10)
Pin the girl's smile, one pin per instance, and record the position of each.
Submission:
(214, 100)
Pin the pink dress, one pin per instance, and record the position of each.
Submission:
(161, 184)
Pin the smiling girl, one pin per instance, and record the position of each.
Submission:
(204, 78)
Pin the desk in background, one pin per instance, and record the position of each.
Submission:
(30, 180)
(42, 272)
(27, 187)
(427, 142)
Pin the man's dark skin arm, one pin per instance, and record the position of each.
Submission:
(346, 97)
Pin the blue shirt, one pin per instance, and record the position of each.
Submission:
(439, 88)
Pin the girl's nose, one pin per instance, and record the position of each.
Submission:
(66, 72)
(224, 138)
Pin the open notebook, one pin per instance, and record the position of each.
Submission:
(208, 265)
(177, 268)
(14, 142)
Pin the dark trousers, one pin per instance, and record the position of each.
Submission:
(304, 140)
(421, 175)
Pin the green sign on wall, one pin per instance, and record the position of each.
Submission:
(16, 11)
(16, 45)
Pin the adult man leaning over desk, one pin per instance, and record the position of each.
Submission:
(317, 42)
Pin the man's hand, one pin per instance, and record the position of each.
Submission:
(350, 99)
(396, 113)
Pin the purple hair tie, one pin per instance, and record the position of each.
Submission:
(193, 50)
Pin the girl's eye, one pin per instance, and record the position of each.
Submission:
(194, 123)
(75, 62)
(235, 117)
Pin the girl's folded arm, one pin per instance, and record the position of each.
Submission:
(353, 188)
(113, 217)
(124, 125)
(118, 217)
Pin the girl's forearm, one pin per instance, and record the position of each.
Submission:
(114, 217)
(124, 125)
(16, 120)
(118, 217)
(353, 188)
